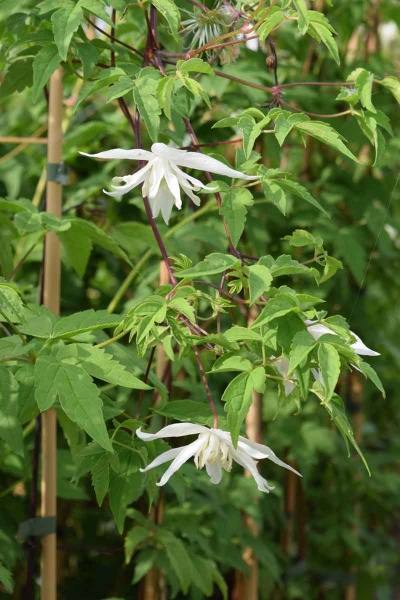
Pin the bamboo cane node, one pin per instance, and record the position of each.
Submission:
(57, 172)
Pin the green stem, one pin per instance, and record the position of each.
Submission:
(111, 340)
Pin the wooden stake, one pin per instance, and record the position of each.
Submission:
(246, 586)
(51, 300)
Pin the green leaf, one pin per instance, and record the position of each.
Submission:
(364, 83)
(237, 333)
(272, 189)
(98, 363)
(177, 556)
(196, 65)
(120, 88)
(65, 22)
(17, 77)
(101, 478)
(211, 265)
(393, 85)
(45, 63)
(126, 485)
(6, 579)
(234, 209)
(144, 93)
(260, 279)
(87, 320)
(164, 92)
(371, 374)
(10, 303)
(89, 56)
(231, 362)
(238, 397)
(303, 15)
(133, 538)
(78, 396)
(280, 305)
(331, 267)
(324, 35)
(273, 19)
(171, 14)
(300, 191)
(302, 344)
(10, 427)
(186, 410)
(336, 410)
(81, 229)
(325, 134)
(329, 362)
(284, 265)
(300, 238)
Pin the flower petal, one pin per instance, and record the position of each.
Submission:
(173, 185)
(135, 154)
(282, 365)
(203, 162)
(183, 456)
(360, 348)
(155, 178)
(214, 470)
(248, 463)
(131, 182)
(259, 451)
(174, 430)
(163, 458)
(164, 151)
(317, 329)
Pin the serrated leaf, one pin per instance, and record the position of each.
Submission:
(322, 34)
(213, 264)
(126, 485)
(303, 15)
(78, 396)
(101, 478)
(65, 22)
(88, 55)
(178, 557)
(164, 92)
(364, 83)
(329, 362)
(371, 374)
(234, 210)
(182, 306)
(87, 320)
(120, 88)
(274, 191)
(231, 362)
(260, 279)
(187, 410)
(171, 14)
(295, 188)
(393, 85)
(238, 397)
(196, 65)
(11, 304)
(17, 77)
(325, 134)
(280, 305)
(10, 427)
(133, 538)
(144, 94)
(45, 63)
(274, 18)
(6, 579)
(302, 344)
(301, 237)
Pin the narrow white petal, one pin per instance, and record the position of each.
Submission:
(203, 162)
(283, 367)
(166, 208)
(360, 348)
(136, 154)
(184, 455)
(167, 152)
(248, 463)
(259, 451)
(188, 191)
(155, 178)
(196, 184)
(173, 185)
(174, 430)
(214, 470)
(131, 182)
(163, 201)
(163, 458)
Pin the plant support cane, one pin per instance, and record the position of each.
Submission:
(51, 300)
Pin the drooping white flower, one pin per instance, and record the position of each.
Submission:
(317, 329)
(162, 178)
(213, 449)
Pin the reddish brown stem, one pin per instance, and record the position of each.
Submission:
(207, 387)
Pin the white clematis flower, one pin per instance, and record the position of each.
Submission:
(317, 329)
(213, 450)
(162, 178)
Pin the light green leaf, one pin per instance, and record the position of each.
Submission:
(170, 12)
(393, 85)
(87, 320)
(301, 237)
(120, 88)
(304, 21)
(260, 279)
(78, 396)
(17, 77)
(373, 376)
(325, 134)
(324, 35)
(231, 362)
(164, 92)
(211, 265)
(133, 538)
(329, 362)
(273, 19)
(10, 303)
(177, 556)
(65, 22)
(6, 579)
(295, 188)
(280, 305)
(10, 427)
(364, 83)
(196, 65)
(187, 410)
(144, 94)
(126, 485)
(234, 209)
(238, 397)
(302, 344)
(88, 55)
(44, 64)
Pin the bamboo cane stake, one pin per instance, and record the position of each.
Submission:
(154, 584)
(246, 586)
(51, 300)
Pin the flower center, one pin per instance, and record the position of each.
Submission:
(213, 450)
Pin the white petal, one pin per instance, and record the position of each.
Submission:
(188, 191)
(155, 178)
(173, 185)
(248, 463)
(184, 455)
(317, 375)
(360, 348)
(131, 182)
(136, 154)
(166, 208)
(283, 367)
(203, 162)
(196, 184)
(163, 201)
(174, 430)
(164, 151)
(318, 329)
(259, 451)
(163, 458)
(214, 470)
